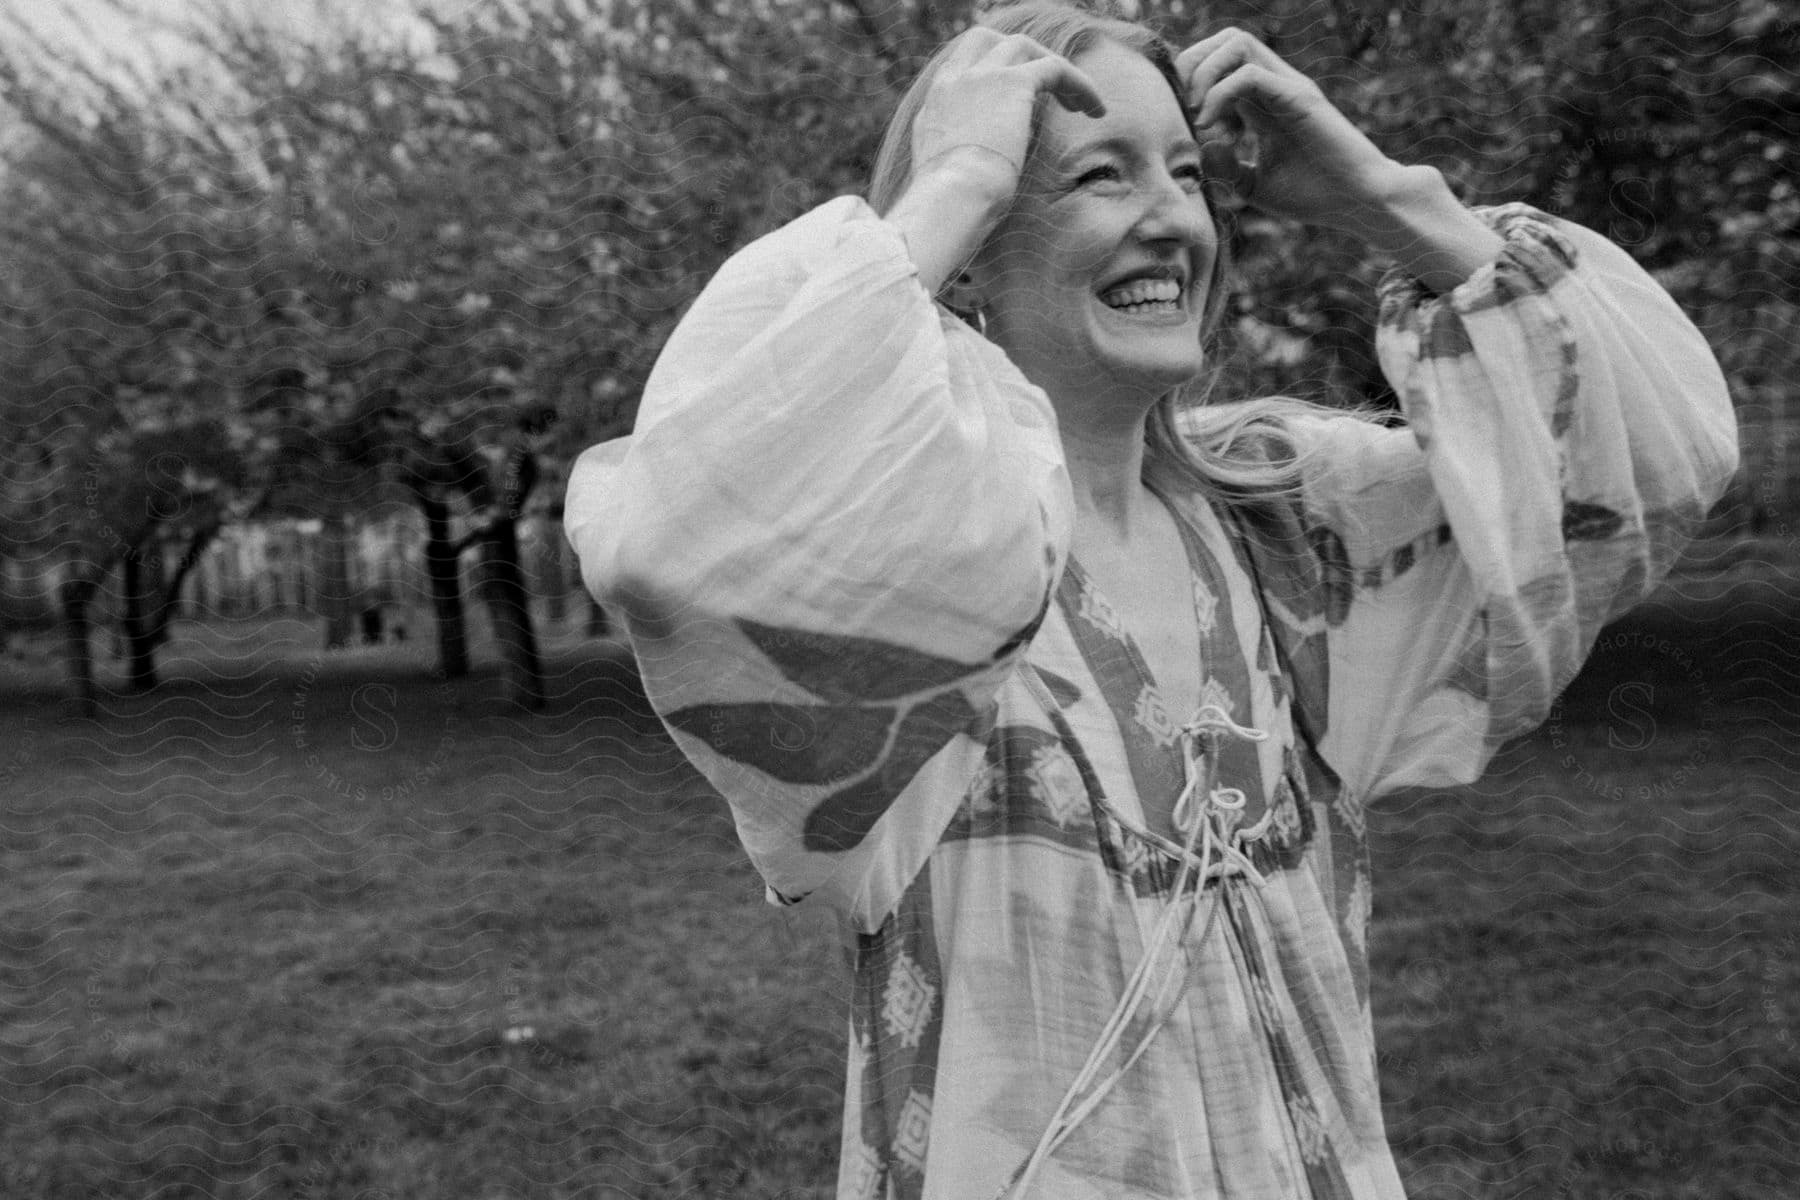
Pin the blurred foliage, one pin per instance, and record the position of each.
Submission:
(1671, 129)
(364, 249)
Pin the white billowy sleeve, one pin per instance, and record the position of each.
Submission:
(1567, 430)
(832, 533)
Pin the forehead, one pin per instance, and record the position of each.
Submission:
(1140, 105)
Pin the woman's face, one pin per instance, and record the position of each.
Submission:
(1095, 282)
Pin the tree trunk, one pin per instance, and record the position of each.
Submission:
(508, 600)
(203, 595)
(77, 644)
(446, 588)
(143, 570)
(334, 580)
(168, 603)
(555, 572)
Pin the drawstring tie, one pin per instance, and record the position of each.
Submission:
(1216, 820)
(1209, 816)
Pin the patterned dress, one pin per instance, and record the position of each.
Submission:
(948, 738)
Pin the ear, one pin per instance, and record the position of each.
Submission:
(963, 292)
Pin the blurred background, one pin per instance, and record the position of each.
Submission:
(342, 854)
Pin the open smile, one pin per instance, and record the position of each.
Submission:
(1160, 291)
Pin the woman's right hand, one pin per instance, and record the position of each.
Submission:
(969, 142)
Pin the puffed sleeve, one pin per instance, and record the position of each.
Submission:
(1567, 429)
(832, 533)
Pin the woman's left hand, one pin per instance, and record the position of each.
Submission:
(1270, 133)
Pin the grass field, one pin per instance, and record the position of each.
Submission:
(322, 926)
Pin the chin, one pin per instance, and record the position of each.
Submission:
(1097, 363)
(1166, 358)
(1158, 374)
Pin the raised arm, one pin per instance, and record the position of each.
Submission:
(1568, 430)
(1275, 139)
(832, 534)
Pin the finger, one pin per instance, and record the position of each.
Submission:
(979, 37)
(1017, 48)
(1210, 70)
(1188, 59)
(1072, 87)
(1257, 48)
(1251, 90)
(971, 45)
(1207, 61)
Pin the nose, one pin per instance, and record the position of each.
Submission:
(1175, 213)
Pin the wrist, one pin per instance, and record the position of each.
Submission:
(1390, 200)
(946, 212)
(1410, 214)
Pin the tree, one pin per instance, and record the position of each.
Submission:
(122, 239)
(485, 231)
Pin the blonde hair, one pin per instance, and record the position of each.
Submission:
(1236, 453)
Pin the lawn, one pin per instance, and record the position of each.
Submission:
(305, 925)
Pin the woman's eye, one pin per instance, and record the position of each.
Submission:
(1191, 174)
(1100, 174)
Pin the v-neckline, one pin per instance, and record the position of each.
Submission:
(1147, 677)
(1149, 727)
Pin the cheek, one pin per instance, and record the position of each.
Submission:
(1053, 249)
(1080, 247)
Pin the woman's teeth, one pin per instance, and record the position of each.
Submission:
(1143, 292)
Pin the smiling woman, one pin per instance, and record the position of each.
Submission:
(1096, 280)
(1068, 695)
